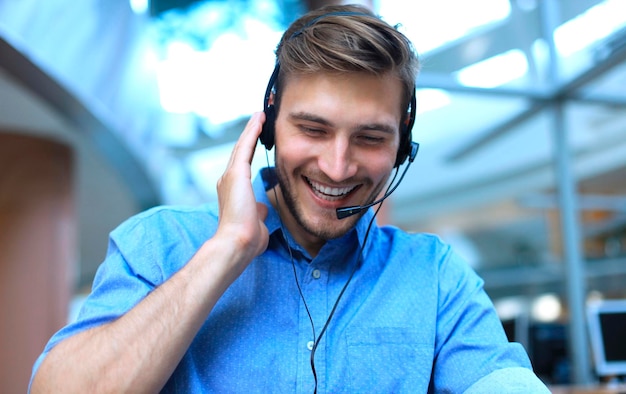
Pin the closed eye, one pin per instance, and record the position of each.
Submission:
(311, 130)
(371, 139)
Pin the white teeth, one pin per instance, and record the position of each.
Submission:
(330, 191)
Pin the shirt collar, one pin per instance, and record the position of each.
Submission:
(266, 179)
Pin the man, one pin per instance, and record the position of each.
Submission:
(271, 292)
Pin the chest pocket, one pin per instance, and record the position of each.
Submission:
(388, 360)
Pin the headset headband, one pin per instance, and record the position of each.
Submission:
(268, 132)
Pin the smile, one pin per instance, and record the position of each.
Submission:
(329, 193)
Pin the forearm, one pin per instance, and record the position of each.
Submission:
(139, 351)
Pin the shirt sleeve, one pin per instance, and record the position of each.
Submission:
(471, 345)
(140, 255)
(116, 289)
(510, 381)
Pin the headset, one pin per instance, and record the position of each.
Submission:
(406, 149)
(268, 132)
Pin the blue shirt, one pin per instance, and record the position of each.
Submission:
(413, 319)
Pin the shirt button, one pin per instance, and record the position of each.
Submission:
(310, 344)
(316, 274)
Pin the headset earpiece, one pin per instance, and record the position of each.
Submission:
(268, 131)
(405, 149)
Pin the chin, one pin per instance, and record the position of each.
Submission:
(328, 226)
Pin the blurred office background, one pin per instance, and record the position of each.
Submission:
(109, 107)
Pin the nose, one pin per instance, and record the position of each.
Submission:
(337, 159)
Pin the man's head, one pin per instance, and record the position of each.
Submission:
(343, 39)
(341, 100)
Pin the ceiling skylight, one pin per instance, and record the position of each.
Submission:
(430, 99)
(432, 24)
(223, 83)
(590, 27)
(139, 6)
(495, 71)
(227, 80)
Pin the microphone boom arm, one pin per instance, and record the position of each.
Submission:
(345, 212)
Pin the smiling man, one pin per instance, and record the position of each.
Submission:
(269, 290)
(336, 146)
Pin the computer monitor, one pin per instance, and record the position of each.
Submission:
(549, 353)
(516, 328)
(607, 332)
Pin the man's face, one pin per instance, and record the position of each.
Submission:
(337, 139)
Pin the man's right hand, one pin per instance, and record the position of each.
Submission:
(139, 351)
(241, 218)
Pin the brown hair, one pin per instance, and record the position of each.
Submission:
(348, 38)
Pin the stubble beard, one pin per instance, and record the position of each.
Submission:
(330, 229)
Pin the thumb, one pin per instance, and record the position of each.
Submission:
(262, 211)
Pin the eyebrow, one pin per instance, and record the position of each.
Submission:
(306, 116)
(310, 118)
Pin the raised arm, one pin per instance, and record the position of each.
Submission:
(139, 351)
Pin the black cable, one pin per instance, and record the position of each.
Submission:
(293, 265)
(345, 286)
(358, 263)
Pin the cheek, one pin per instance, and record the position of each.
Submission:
(290, 155)
(293, 150)
(380, 164)
(382, 175)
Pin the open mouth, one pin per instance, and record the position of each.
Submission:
(329, 193)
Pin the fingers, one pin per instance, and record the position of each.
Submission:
(244, 148)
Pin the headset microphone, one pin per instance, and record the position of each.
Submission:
(345, 212)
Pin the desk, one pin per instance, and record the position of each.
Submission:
(593, 389)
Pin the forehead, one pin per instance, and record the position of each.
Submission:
(355, 95)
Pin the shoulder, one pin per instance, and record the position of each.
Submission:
(165, 220)
(174, 213)
(426, 254)
(164, 236)
(427, 245)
